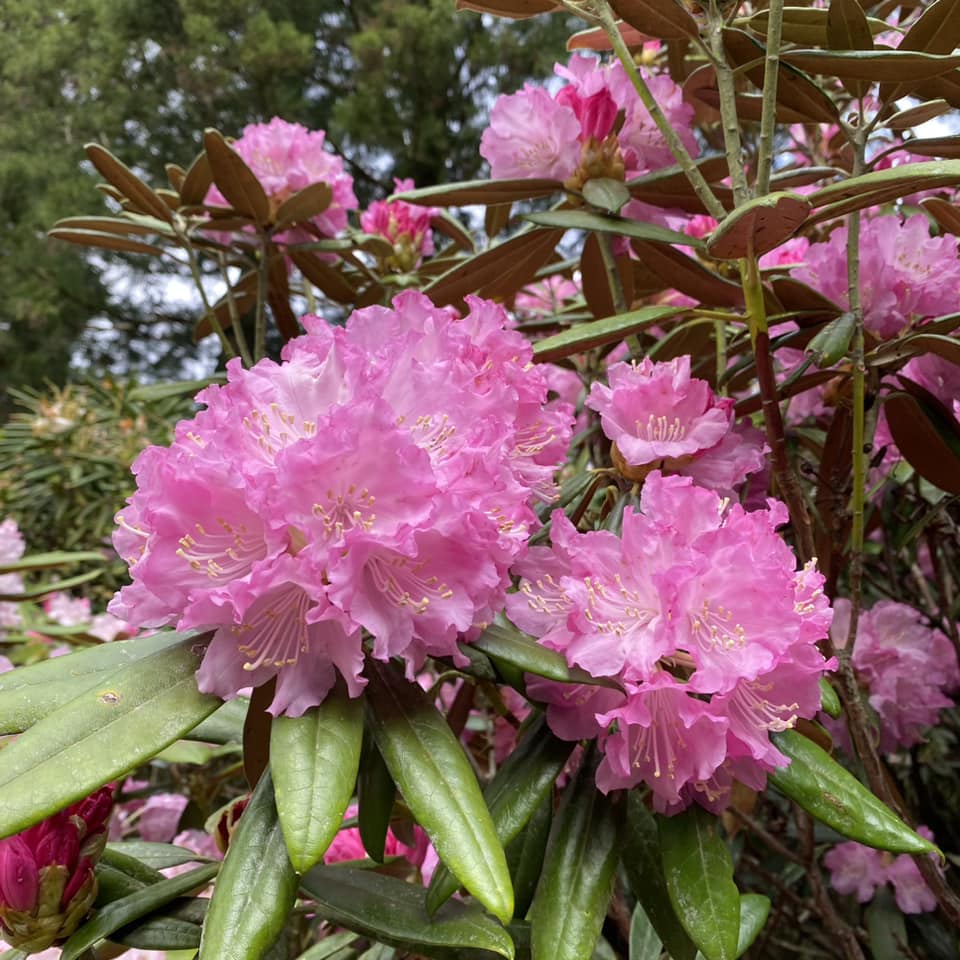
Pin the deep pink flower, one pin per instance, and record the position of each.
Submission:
(905, 274)
(286, 158)
(380, 478)
(405, 225)
(659, 417)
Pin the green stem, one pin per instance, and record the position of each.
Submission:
(235, 323)
(605, 240)
(225, 346)
(728, 107)
(720, 340)
(686, 163)
(260, 324)
(768, 116)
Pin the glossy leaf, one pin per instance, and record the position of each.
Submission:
(830, 345)
(392, 911)
(586, 336)
(225, 725)
(196, 183)
(525, 855)
(375, 795)
(886, 927)
(305, 204)
(178, 927)
(665, 19)
(606, 194)
(257, 886)
(829, 701)
(689, 276)
(483, 192)
(606, 223)
(754, 910)
(314, 759)
(872, 65)
(105, 241)
(127, 182)
(136, 711)
(571, 901)
(848, 29)
(806, 26)
(914, 116)
(758, 226)
(645, 944)
(429, 766)
(644, 868)
(152, 392)
(524, 653)
(234, 179)
(928, 438)
(156, 856)
(699, 875)
(119, 913)
(833, 795)
(142, 226)
(514, 794)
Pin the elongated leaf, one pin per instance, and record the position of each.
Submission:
(119, 913)
(513, 795)
(225, 725)
(483, 192)
(525, 855)
(670, 187)
(127, 182)
(644, 868)
(830, 344)
(141, 226)
(889, 184)
(828, 792)
(699, 875)
(257, 886)
(305, 204)
(429, 766)
(235, 180)
(689, 276)
(886, 927)
(314, 759)
(572, 897)
(46, 561)
(754, 910)
(936, 30)
(375, 795)
(393, 912)
(523, 652)
(586, 336)
(330, 948)
(829, 701)
(607, 223)
(914, 116)
(924, 439)
(105, 241)
(666, 19)
(196, 183)
(40, 590)
(873, 65)
(806, 26)
(847, 29)
(163, 391)
(137, 710)
(323, 276)
(758, 225)
(645, 944)
(175, 929)
(156, 856)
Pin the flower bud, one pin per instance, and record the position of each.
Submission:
(47, 880)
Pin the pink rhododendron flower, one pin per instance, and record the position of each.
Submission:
(697, 608)
(546, 298)
(12, 547)
(285, 158)
(659, 417)
(380, 478)
(405, 225)
(907, 666)
(66, 610)
(860, 870)
(905, 274)
(534, 134)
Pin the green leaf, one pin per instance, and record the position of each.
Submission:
(392, 911)
(45, 561)
(758, 226)
(257, 886)
(754, 910)
(828, 792)
(102, 734)
(513, 795)
(586, 336)
(644, 942)
(375, 795)
(525, 856)
(235, 180)
(886, 927)
(606, 194)
(607, 223)
(314, 759)
(524, 653)
(119, 913)
(572, 897)
(156, 856)
(225, 725)
(829, 701)
(830, 344)
(699, 874)
(45, 589)
(163, 391)
(429, 766)
(482, 192)
(329, 947)
(179, 927)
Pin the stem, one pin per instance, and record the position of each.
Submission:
(235, 316)
(260, 325)
(728, 107)
(768, 117)
(613, 274)
(228, 350)
(720, 341)
(700, 186)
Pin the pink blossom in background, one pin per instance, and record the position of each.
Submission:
(381, 478)
(285, 158)
(405, 225)
(65, 610)
(12, 548)
(697, 608)
(533, 134)
(860, 870)
(906, 275)
(546, 298)
(659, 417)
(907, 666)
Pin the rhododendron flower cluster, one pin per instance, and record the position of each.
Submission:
(405, 225)
(285, 158)
(905, 274)
(12, 547)
(534, 134)
(700, 613)
(379, 479)
(659, 417)
(907, 666)
(860, 870)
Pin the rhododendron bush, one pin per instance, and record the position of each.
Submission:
(563, 564)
